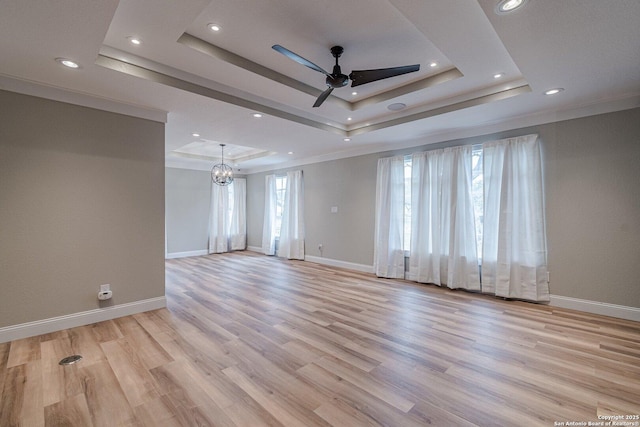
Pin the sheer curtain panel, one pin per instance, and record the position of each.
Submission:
(227, 218)
(514, 242)
(291, 244)
(219, 220)
(238, 222)
(443, 239)
(269, 225)
(388, 256)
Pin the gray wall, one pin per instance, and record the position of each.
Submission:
(81, 204)
(592, 176)
(350, 185)
(593, 207)
(188, 195)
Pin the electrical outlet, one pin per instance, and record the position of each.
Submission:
(105, 292)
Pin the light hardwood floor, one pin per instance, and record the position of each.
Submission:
(250, 340)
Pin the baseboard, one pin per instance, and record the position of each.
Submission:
(595, 307)
(341, 264)
(45, 326)
(186, 254)
(327, 261)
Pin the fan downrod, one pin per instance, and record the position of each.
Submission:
(337, 79)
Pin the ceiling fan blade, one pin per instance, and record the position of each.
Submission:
(322, 97)
(299, 59)
(360, 77)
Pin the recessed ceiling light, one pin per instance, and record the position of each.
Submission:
(195, 134)
(554, 91)
(349, 119)
(396, 106)
(290, 152)
(214, 27)
(433, 64)
(68, 63)
(257, 115)
(354, 93)
(506, 6)
(498, 75)
(134, 40)
(347, 139)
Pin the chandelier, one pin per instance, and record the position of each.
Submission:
(221, 173)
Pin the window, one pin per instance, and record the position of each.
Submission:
(477, 194)
(227, 217)
(281, 186)
(475, 205)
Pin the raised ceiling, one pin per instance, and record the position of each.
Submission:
(211, 83)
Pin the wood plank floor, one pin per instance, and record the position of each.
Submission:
(250, 340)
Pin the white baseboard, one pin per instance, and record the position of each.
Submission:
(45, 326)
(186, 254)
(596, 307)
(341, 264)
(327, 261)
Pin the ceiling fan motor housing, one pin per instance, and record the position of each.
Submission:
(337, 79)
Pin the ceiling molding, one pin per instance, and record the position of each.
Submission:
(56, 93)
(513, 123)
(127, 67)
(236, 160)
(239, 61)
(242, 62)
(427, 82)
(485, 99)
(144, 72)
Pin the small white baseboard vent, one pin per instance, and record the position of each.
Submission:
(45, 326)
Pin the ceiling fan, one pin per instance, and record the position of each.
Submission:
(336, 79)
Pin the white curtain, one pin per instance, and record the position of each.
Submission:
(514, 245)
(227, 218)
(219, 220)
(238, 222)
(291, 243)
(269, 225)
(443, 239)
(388, 256)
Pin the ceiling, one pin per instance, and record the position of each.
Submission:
(212, 83)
